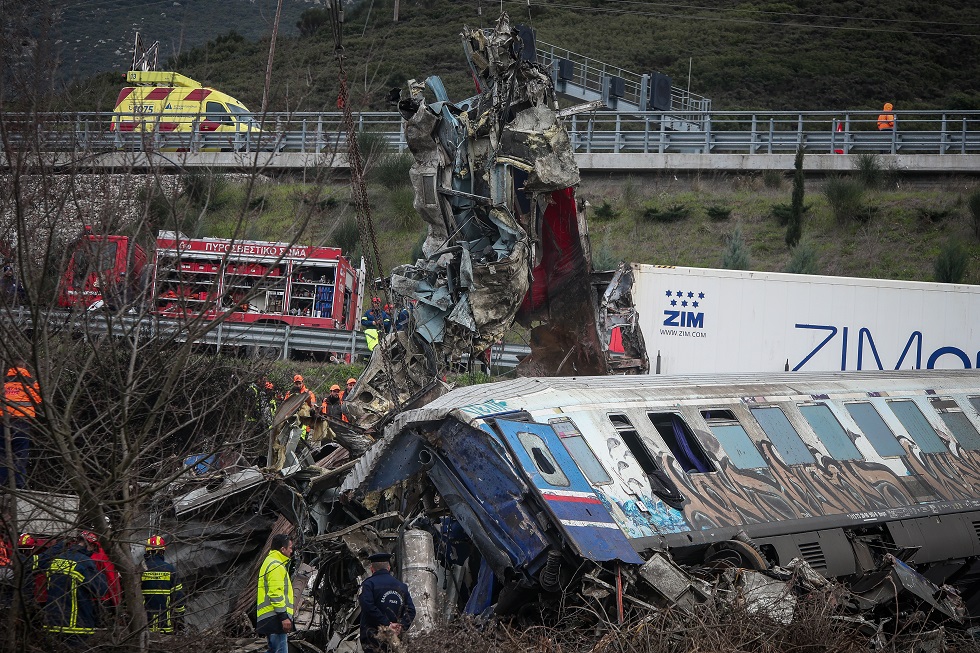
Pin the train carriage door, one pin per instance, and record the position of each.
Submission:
(570, 500)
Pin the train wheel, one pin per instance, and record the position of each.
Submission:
(734, 553)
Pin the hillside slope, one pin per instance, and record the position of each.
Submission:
(797, 54)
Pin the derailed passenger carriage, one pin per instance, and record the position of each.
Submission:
(637, 485)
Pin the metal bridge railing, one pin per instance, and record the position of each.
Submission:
(716, 132)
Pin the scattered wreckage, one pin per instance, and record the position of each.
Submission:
(620, 493)
(524, 498)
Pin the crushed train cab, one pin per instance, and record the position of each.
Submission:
(845, 471)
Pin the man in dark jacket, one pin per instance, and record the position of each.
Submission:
(163, 594)
(385, 601)
(74, 587)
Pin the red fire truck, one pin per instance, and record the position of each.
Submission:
(252, 281)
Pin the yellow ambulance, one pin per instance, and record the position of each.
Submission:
(158, 101)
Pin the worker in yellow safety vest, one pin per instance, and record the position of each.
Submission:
(274, 600)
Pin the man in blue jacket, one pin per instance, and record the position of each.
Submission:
(163, 593)
(385, 601)
(74, 587)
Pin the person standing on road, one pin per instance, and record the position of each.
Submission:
(886, 120)
(385, 601)
(274, 600)
(109, 600)
(21, 399)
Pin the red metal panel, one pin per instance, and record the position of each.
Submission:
(159, 93)
(198, 94)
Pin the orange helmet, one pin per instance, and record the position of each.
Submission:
(26, 541)
(351, 380)
(155, 542)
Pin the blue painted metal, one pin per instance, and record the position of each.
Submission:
(573, 506)
(485, 493)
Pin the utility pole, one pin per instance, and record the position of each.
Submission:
(272, 54)
(395, 19)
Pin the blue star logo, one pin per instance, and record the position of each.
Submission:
(684, 303)
(680, 293)
(694, 304)
(673, 302)
(669, 293)
(700, 295)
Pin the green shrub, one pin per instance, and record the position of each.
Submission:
(772, 179)
(373, 146)
(391, 170)
(718, 213)
(257, 203)
(204, 188)
(794, 227)
(973, 204)
(605, 211)
(803, 259)
(603, 258)
(312, 21)
(870, 171)
(950, 265)
(345, 235)
(782, 212)
(736, 255)
(402, 211)
(929, 216)
(674, 213)
(845, 197)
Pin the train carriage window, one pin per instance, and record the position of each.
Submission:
(830, 432)
(918, 426)
(544, 461)
(661, 484)
(686, 449)
(782, 435)
(875, 429)
(733, 438)
(957, 422)
(580, 451)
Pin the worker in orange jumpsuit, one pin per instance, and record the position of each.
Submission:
(299, 388)
(886, 121)
(21, 399)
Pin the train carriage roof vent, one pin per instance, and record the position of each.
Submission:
(813, 554)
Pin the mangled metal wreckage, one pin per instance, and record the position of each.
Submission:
(633, 491)
(494, 179)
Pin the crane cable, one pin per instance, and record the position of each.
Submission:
(362, 207)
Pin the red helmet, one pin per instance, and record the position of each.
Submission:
(89, 537)
(155, 542)
(26, 541)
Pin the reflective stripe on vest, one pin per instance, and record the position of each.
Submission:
(20, 394)
(264, 604)
(68, 568)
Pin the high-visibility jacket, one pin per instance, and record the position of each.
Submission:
(274, 601)
(371, 338)
(887, 119)
(74, 586)
(310, 397)
(163, 594)
(106, 568)
(21, 394)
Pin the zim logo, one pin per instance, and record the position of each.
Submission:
(679, 313)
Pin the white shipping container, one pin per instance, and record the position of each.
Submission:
(705, 320)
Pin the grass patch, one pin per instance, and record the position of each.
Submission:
(718, 213)
(673, 213)
(845, 198)
(605, 212)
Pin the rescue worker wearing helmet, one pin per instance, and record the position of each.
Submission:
(21, 399)
(109, 600)
(299, 387)
(332, 406)
(163, 594)
(351, 382)
(886, 120)
(74, 586)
